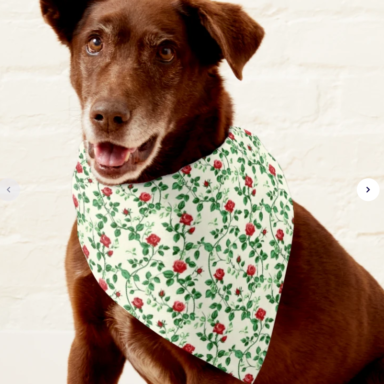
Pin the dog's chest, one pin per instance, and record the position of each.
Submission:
(140, 346)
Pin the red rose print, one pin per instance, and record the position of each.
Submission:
(249, 229)
(179, 266)
(254, 192)
(159, 324)
(199, 271)
(237, 292)
(145, 196)
(247, 132)
(186, 170)
(75, 201)
(137, 302)
(206, 184)
(264, 232)
(110, 253)
(105, 240)
(229, 206)
(126, 212)
(280, 234)
(238, 259)
(249, 147)
(79, 168)
(248, 181)
(272, 170)
(251, 270)
(219, 274)
(130, 186)
(260, 314)
(281, 288)
(223, 339)
(230, 135)
(118, 294)
(248, 378)
(186, 219)
(191, 230)
(107, 191)
(178, 306)
(217, 164)
(103, 284)
(85, 251)
(161, 293)
(219, 328)
(90, 181)
(189, 348)
(153, 240)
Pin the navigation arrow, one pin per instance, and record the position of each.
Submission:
(368, 189)
(10, 190)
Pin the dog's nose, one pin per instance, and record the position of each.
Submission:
(109, 115)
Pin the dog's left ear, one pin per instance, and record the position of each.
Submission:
(63, 16)
(237, 34)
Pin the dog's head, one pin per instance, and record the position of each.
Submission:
(143, 68)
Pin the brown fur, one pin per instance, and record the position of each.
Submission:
(330, 324)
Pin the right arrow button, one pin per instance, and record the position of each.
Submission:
(368, 189)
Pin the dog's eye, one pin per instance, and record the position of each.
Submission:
(166, 54)
(94, 46)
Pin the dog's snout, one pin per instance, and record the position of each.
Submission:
(109, 116)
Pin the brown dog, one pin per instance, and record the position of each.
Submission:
(146, 73)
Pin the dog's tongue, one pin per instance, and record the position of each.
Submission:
(110, 155)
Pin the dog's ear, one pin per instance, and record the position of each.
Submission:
(236, 34)
(63, 16)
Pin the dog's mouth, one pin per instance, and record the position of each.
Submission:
(112, 161)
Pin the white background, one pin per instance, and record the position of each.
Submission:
(314, 94)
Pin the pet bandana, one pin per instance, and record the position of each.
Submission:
(198, 256)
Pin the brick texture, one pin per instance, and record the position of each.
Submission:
(313, 93)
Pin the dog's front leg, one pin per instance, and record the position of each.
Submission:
(96, 360)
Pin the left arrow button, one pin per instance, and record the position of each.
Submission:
(9, 189)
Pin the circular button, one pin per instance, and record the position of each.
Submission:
(368, 189)
(9, 189)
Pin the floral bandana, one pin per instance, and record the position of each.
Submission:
(198, 256)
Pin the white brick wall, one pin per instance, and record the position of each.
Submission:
(314, 94)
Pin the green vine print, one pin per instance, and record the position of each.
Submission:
(198, 256)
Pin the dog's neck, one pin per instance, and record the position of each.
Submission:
(195, 136)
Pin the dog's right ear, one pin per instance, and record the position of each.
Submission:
(221, 30)
(63, 16)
